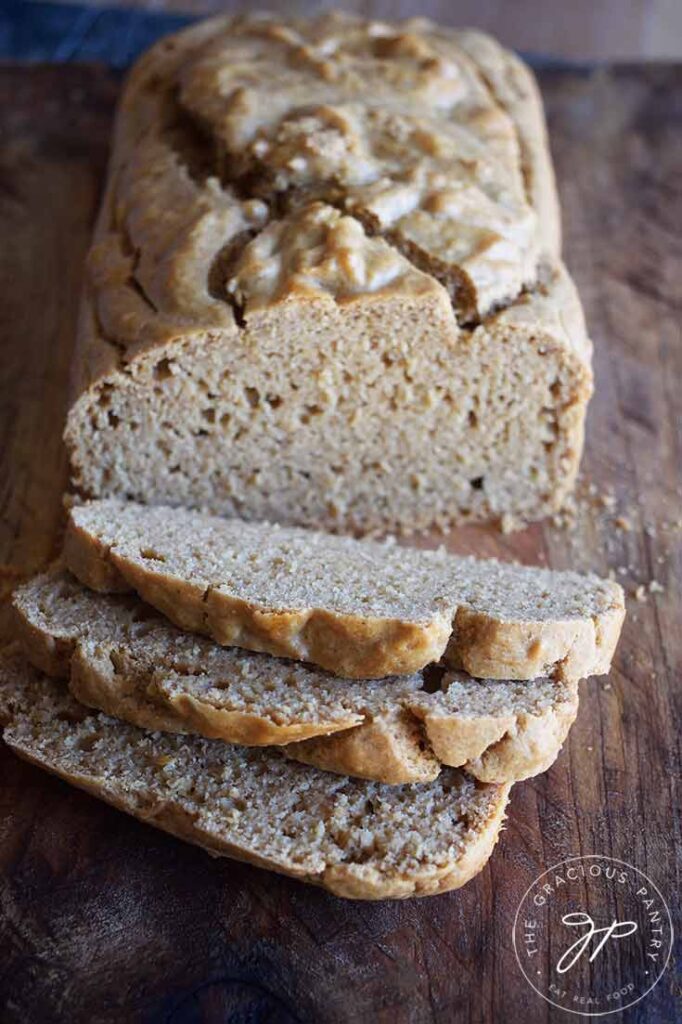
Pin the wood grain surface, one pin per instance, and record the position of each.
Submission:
(105, 920)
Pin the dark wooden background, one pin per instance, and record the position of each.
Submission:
(105, 920)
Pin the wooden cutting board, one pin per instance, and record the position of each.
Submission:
(105, 920)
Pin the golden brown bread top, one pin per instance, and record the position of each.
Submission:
(318, 251)
(231, 133)
(395, 122)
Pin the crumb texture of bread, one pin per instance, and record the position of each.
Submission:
(325, 287)
(358, 608)
(119, 657)
(358, 839)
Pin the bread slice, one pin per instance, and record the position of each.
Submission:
(121, 658)
(124, 658)
(356, 608)
(358, 839)
(497, 730)
(325, 286)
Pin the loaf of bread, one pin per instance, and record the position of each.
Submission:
(121, 658)
(358, 839)
(325, 286)
(357, 608)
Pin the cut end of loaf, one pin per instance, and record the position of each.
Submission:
(428, 427)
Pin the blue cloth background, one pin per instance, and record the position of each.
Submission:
(66, 32)
(111, 35)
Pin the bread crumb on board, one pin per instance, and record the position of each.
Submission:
(642, 590)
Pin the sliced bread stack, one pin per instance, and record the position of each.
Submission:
(358, 839)
(395, 693)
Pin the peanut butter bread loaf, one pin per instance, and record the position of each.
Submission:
(325, 285)
(121, 658)
(360, 609)
(358, 839)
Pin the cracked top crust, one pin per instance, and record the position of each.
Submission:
(396, 123)
(258, 160)
(318, 251)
